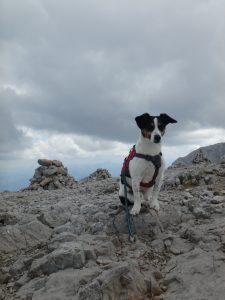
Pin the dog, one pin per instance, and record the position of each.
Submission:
(143, 168)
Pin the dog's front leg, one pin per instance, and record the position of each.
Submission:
(159, 180)
(137, 197)
(154, 204)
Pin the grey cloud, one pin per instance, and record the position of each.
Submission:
(11, 138)
(92, 66)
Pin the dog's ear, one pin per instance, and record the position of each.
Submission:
(165, 119)
(143, 120)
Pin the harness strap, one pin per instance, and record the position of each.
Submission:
(156, 160)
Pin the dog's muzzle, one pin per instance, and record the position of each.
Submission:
(157, 138)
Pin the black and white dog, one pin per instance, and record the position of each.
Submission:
(143, 169)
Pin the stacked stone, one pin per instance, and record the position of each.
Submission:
(99, 174)
(200, 158)
(51, 175)
(222, 162)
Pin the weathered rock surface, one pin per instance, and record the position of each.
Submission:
(99, 174)
(200, 157)
(72, 244)
(212, 153)
(51, 175)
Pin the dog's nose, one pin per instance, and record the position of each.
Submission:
(157, 138)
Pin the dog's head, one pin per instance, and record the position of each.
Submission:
(153, 127)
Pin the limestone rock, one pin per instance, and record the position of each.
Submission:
(51, 170)
(200, 157)
(15, 237)
(99, 174)
(45, 181)
(181, 273)
(45, 162)
(222, 161)
(70, 255)
(57, 163)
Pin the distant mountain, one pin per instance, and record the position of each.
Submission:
(213, 153)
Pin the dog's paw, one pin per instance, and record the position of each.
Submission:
(135, 210)
(144, 202)
(155, 205)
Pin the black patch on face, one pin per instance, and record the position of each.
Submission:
(150, 126)
(161, 126)
(145, 121)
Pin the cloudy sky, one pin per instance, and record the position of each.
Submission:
(75, 73)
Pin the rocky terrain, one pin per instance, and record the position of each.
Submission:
(72, 243)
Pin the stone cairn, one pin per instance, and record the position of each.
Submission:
(200, 158)
(99, 174)
(51, 175)
(223, 160)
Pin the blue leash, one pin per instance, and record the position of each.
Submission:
(128, 215)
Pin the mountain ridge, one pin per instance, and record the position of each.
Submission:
(214, 153)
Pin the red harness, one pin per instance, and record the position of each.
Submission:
(156, 160)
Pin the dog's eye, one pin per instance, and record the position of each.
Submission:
(151, 127)
(161, 127)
